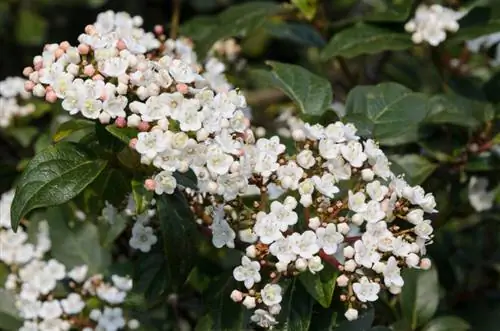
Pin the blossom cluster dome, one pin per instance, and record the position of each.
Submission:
(431, 23)
(13, 100)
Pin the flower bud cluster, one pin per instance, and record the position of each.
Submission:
(13, 100)
(87, 303)
(355, 214)
(431, 23)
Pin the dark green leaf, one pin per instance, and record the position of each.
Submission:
(55, 176)
(302, 34)
(142, 197)
(124, 134)
(296, 309)
(179, 236)
(478, 22)
(323, 319)
(312, 93)
(363, 323)
(23, 135)
(420, 296)
(365, 39)
(153, 274)
(9, 315)
(321, 285)
(380, 328)
(389, 10)
(307, 7)
(69, 127)
(111, 227)
(417, 168)
(186, 179)
(77, 245)
(452, 109)
(388, 112)
(447, 323)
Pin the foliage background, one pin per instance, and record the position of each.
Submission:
(467, 244)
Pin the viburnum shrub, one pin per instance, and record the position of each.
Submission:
(163, 200)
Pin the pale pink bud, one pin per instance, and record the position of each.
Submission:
(51, 96)
(236, 296)
(104, 118)
(89, 70)
(132, 143)
(27, 71)
(158, 29)
(64, 45)
(425, 263)
(90, 29)
(83, 49)
(120, 122)
(97, 77)
(38, 66)
(143, 126)
(123, 78)
(49, 88)
(149, 184)
(59, 52)
(121, 45)
(37, 60)
(342, 281)
(28, 85)
(182, 88)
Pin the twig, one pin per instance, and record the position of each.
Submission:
(174, 22)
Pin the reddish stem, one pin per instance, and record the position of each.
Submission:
(329, 259)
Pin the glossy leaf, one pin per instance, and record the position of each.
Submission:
(312, 93)
(452, 109)
(153, 273)
(296, 309)
(388, 112)
(124, 134)
(9, 315)
(179, 236)
(78, 245)
(320, 285)
(69, 127)
(55, 176)
(447, 323)
(416, 167)
(420, 296)
(302, 34)
(389, 10)
(365, 39)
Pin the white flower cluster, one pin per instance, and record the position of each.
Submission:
(13, 100)
(485, 42)
(360, 218)
(431, 23)
(479, 198)
(36, 284)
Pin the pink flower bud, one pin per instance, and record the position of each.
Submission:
(121, 45)
(120, 122)
(64, 45)
(28, 85)
(236, 296)
(59, 52)
(425, 263)
(27, 71)
(38, 66)
(89, 70)
(49, 88)
(149, 184)
(97, 77)
(90, 29)
(158, 29)
(144, 126)
(83, 49)
(51, 96)
(182, 88)
(132, 143)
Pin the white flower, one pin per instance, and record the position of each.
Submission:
(271, 294)
(142, 237)
(314, 264)
(111, 319)
(165, 183)
(182, 72)
(263, 318)
(249, 302)
(353, 153)
(306, 245)
(326, 184)
(289, 175)
(373, 212)
(365, 253)
(328, 148)
(122, 283)
(376, 191)
(329, 238)
(267, 228)
(222, 233)
(285, 216)
(415, 216)
(54, 324)
(73, 304)
(282, 249)
(50, 310)
(306, 159)
(219, 162)
(424, 229)
(479, 198)
(78, 274)
(115, 66)
(356, 202)
(351, 314)
(366, 290)
(392, 276)
(110, 294)
(56, 269)
(247, 272)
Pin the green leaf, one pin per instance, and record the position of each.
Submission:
(307, 7)
(23, 135)
(111, 227)
(389, 10)
(365, 39)
(420, 296)
(417, 168)
(72, 126)
(478, 22)
(224, 314)
(53, 177)
(363, 323)
(296, 311)
(77, 245)
(9, 315)
(388, 112)
(142, 197)
(186, 179)
(236, 21)
(320, 285)
(30, 27)
(323, 318)
(447, 323)
(380, 328)
(124, 134)
(152, 274)
(179, 233)
(452, 109)
(302, 34)
(312, 93)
